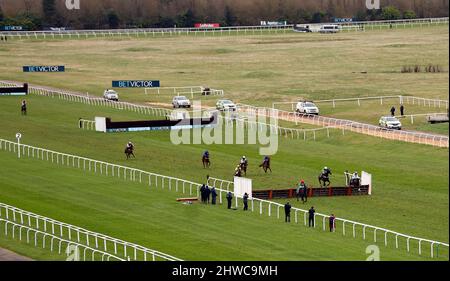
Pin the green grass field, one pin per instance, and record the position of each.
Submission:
(410, 180)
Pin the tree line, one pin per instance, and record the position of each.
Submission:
(41, 14)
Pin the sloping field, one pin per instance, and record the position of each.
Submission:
(151, 217)
(410, 181)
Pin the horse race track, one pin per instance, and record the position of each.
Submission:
(410, 180)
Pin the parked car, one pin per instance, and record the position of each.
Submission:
(307, 107)
(226, 105)
(330, 28)
(304, 29)
(390, 122)
(110, 95)
(181, 101)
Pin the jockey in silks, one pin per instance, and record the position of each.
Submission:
(130, 146)
(355, 176)
(266, 159)
(326, 171)
(244, 161)
(206, 154)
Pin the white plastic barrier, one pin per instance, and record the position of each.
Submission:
(321, 220)
(79, 236)
(180, 185)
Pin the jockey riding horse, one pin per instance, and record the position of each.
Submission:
(129, 150)
(266, 164)
(205, 159)
(324, 177)
(243, 165)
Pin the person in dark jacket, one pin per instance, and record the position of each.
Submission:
(287, 212)
(245, 200)
(393, 111)
(402, 110)
(213, 195)
(23, 108)
(311, 217)
(332, 223)
(229, 199)
(207, 193)
(203, 193)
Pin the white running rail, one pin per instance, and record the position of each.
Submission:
(180, 185)
(345, 225)
(54, 242)
(367, 129)
(74, 234)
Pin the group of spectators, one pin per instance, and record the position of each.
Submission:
(311, 217)
(3, 38)
(402, 110)
(210, 194)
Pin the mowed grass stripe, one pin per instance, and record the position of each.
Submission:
(407, 177)
(151, 217)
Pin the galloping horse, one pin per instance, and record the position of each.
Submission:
(238, 171)
(324, 178)
(243, 167)
(129, 152)
(206, 162)
(266, 165)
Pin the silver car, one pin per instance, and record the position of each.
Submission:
(390, 122)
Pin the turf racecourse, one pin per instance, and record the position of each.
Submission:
(410, 181)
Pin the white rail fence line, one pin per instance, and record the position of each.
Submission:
(83, 237)
(411, 117)
(180, 185)
(436, 103)
(367, 129)
(147, 32)
(268, 207)
(187, 90)
(222, 31)
(304, 134)
(95, 101)
(56, 243)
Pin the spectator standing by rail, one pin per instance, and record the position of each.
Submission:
(332, 223)
(245, 200)
(213, 195)
(393, 111)
(311, 216)
(207, 193)
(202, 193)
(229, 199)
(402, 110)
(287, 212)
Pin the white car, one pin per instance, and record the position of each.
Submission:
(390, 122)
(330, 28)
(181, 101)
(226, 105)
(111, 95)
(307, 107)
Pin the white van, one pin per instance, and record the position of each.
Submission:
(330, 28)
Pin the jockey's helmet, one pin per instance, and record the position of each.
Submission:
(302, 181)
(243, 157)
(326, 168)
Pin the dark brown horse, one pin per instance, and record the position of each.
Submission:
(129, 151)
(206, 162)
(266, 165)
